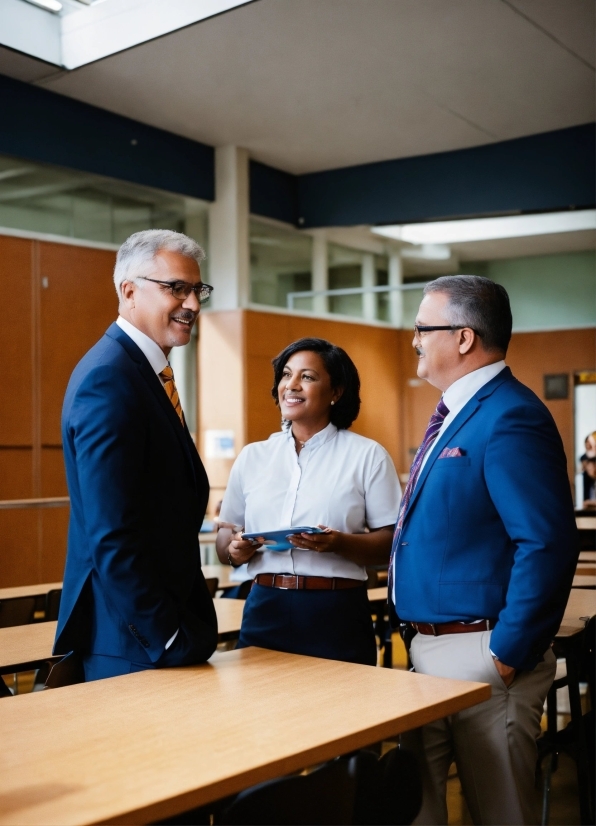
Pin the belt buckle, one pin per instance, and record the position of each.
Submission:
(283, 587)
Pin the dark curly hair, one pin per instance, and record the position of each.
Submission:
(342, 372)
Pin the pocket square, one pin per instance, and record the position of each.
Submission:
(450, 452)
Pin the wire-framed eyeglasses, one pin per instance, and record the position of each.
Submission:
(182, 289)
(425, 328)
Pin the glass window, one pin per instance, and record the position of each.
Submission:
(382, 280)
(280, 263)
(48, 199)
(345, 271)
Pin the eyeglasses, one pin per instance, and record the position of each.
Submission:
(182, 289)
(421, 328)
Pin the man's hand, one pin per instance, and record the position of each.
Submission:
(507, 672)
(241, 550)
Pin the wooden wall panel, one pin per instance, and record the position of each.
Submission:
(77, 306)
(533, 355)
(20, 532)
(374, 350)
(16, 341)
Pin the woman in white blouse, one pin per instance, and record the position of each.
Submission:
(312, 599)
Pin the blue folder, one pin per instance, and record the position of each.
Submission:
(278, 540)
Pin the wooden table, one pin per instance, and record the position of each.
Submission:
(222, 572)
(586, 523)
(25, 647)
(150, 745)
(584, 581)
(587, 556)
(581, 605)
(29, 590)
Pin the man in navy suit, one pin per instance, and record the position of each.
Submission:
(134, 595)
(484, 552)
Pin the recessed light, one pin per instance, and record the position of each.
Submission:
(485, 229)
(48, 5)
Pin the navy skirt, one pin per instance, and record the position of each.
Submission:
(335, 625)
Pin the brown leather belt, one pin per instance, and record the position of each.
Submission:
(437, 629)
(293, 582)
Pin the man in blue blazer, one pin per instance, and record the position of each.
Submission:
(134, 596)
(484, 552)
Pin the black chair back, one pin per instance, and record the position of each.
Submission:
(16, 611)
(53, 604)
(244, 589)
(326, 796)
(389, 790)
(212, 584)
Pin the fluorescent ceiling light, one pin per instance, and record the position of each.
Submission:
(485, 229)
(49, 5)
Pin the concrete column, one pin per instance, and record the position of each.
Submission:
(229, 255)
(320, 272)
(396, 279)
(369, 300)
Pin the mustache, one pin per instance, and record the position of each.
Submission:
(186, 315)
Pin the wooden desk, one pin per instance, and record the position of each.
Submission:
(114, 751)
(25, 647)
(586, 523)
(581, 605)
(222, 572)
(587, 556)
(581, 581)
(29, 590)
(377, 594)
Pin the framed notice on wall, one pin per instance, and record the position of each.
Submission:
(220, 444)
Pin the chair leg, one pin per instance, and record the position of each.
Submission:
(4, 689)
(579, 736)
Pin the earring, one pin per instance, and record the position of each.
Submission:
(332, 402)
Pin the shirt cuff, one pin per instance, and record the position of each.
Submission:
(171, 640)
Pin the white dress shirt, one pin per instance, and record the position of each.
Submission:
(158, 361)
(459, 394)
(339, 479)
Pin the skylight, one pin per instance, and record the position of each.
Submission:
(486, 229)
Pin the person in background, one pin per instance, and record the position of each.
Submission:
(588, 467)
(134, 595)
(482, 561)
(312, 598)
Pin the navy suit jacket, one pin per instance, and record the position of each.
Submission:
(491, 533)
(138, 494)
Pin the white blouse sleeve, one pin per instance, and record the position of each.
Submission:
(382, 492)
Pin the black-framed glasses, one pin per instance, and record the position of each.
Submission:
(425, 328)
(182, 289)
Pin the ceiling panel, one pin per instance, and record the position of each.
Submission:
(321, 84)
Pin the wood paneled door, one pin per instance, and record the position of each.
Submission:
(59, 299)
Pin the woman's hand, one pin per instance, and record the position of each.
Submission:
(230, 542)
(326, 542)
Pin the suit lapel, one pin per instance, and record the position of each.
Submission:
(137, 355)
(462, 417)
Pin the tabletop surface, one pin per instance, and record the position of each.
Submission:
(222, 572)
(31, 643)
(146, 746)
(584, 581)
(587, 556)
(580, 605)
(586, 523)
(29, 590)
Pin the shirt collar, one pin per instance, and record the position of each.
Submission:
(461, 391)
(319, 438)
(150, 349)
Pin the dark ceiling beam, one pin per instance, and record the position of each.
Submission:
(43, 126)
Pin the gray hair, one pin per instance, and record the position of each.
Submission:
(478, 303)
(137, 253)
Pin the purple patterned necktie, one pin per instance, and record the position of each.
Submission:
(434, 425)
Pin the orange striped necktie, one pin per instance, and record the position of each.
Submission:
(167, 376)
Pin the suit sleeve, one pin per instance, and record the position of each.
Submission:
(109, 430)
(525, 471)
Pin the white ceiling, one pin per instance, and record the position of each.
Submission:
(307, 85)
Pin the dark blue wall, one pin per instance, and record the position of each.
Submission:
(550, 171)
(43, 126)
(273, 193)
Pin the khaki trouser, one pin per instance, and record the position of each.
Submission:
(493, 744)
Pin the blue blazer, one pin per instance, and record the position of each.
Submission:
(138, 494)
(491, 533)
